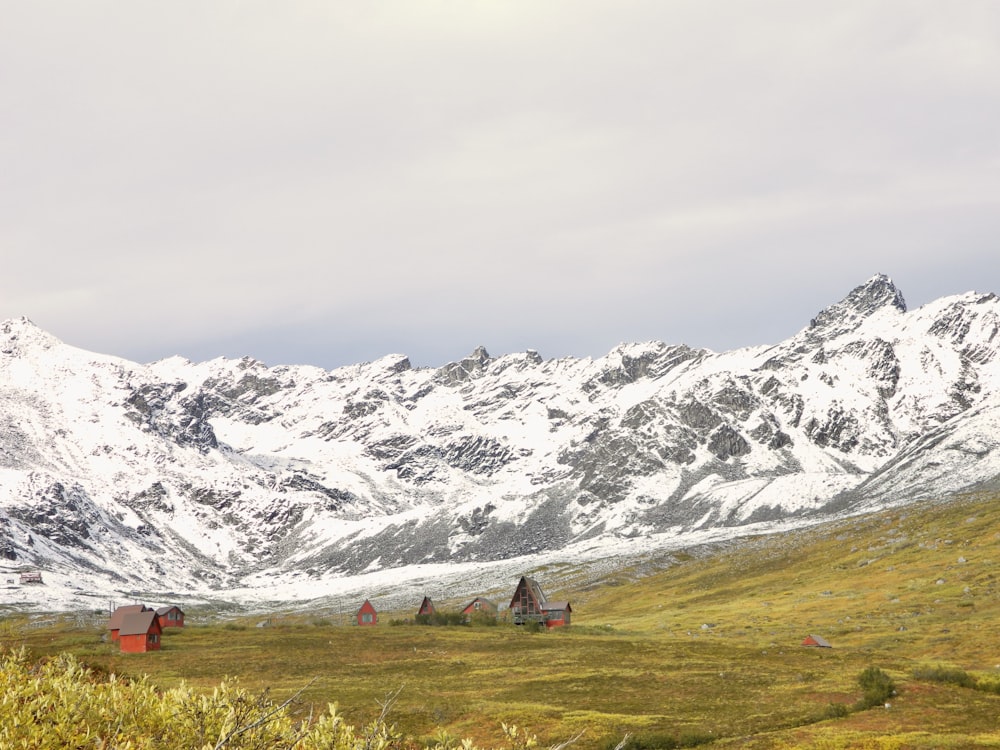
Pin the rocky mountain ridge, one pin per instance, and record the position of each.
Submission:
(225, 475)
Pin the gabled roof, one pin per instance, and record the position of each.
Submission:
(488, 603)
(818, 640)
(164, 610)
(116, 617)
(549, 606)
(426, 603)
(138, 623)
(533, 589)
(366, 606)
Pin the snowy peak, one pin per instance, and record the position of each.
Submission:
(876, 294)
(20, 335)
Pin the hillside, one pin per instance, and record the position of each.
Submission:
(237, 481)
(705, 649)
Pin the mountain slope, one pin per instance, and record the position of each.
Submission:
(177, 476)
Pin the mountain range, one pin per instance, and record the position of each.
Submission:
(237, 481)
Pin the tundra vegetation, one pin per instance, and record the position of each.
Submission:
(700, 648)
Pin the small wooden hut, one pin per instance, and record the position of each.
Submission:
(140, 632)
(115, 622)
(426, 607)
(367, 615)
(480, 607)
(171, 616)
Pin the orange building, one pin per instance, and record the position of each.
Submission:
(140, 632)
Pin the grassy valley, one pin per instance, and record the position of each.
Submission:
(705, 651)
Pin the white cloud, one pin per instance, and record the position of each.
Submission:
(191, 177)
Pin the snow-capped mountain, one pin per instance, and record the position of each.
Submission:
(219, 476)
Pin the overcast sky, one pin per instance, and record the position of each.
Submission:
(329, 182)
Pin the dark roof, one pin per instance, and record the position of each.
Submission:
(164, 610)
(137, 623)
(116, 617)
(549, 606)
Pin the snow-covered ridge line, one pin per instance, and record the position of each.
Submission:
(211, 477)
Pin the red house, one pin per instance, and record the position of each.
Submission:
(481, 606)
(556, 614)
(816, 640)
(426, 607)
(140, 632)
(171, 616)
(530, 605)
(115, 623)
(367, 614)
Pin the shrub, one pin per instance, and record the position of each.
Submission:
(59, 703)
(877, 687)
(950, 675)
(835, 711)
(658, 741)
(441, 618)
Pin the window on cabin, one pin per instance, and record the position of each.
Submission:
(366, 617)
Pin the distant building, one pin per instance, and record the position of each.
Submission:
(115, 622)
(171, 616)
(140, 632)
(481, 606)
(367, 615)
(816, 640)
(32, 576)
(426, 607)
(530, 605)
(557, 614)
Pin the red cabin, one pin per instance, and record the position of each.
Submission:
(556, 614)
(480, 606)
(140, 632)
(529, 605)
(170, 617)
(115, 623)
(367, 614)
(426, 607)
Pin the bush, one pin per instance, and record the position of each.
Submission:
(658, 741)
(441, 618)
(59, 703)
(877, 687)
(835, 711)
(950, 675)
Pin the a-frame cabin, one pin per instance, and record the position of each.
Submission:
(528, 602)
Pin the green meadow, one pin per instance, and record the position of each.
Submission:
(701, 650)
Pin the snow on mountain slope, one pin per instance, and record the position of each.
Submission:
(205, 477)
